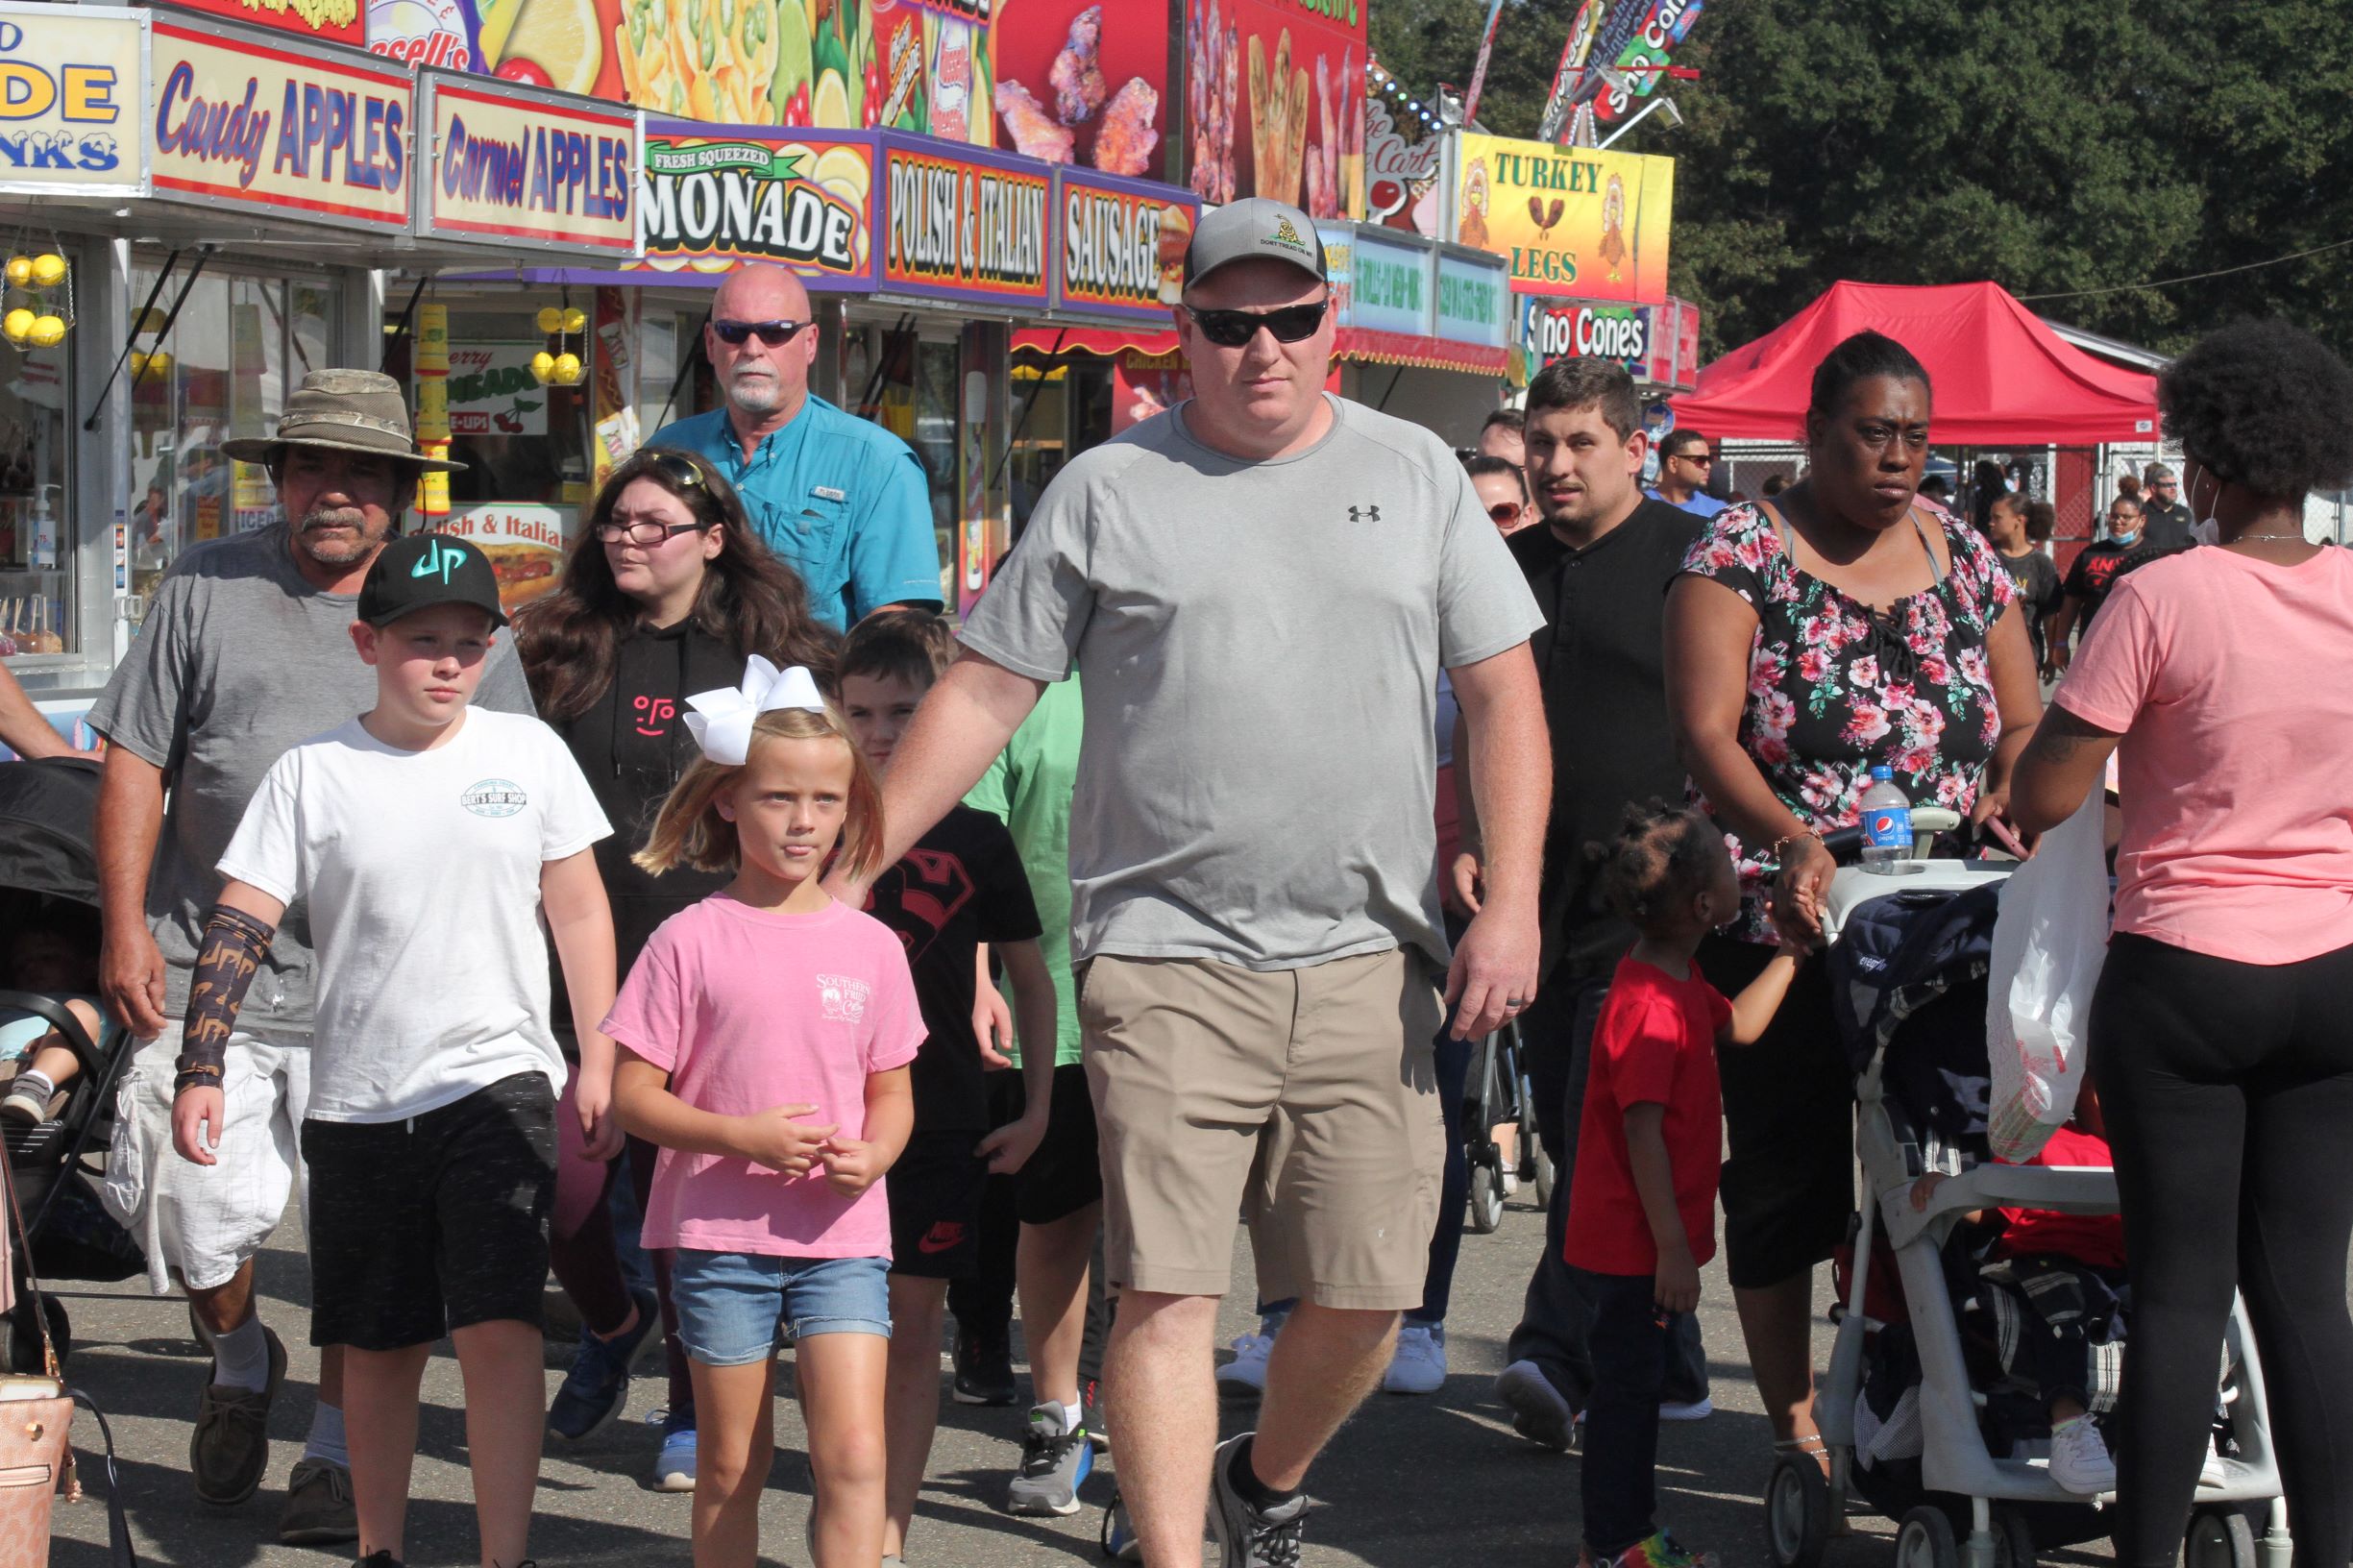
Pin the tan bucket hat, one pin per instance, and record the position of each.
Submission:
(342, 410)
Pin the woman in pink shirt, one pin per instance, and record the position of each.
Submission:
(2221, 1033)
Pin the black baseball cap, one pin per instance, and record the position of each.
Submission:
(422, 570)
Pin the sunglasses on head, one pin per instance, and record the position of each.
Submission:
(1504, 511)
(775, 334)
(1233, 328)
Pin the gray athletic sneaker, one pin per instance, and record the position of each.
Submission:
(1245, 1537)
(1055, 1461)
(231, 1446)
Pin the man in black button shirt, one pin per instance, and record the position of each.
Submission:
(1599, 567)
(2165, 522)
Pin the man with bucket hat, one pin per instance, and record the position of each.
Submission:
(245, 650)
(1260, 587)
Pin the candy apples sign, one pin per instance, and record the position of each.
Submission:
(514, 166)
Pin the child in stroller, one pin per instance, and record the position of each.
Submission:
(51, 951)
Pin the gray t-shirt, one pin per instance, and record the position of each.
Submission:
(1260, 643)
(238, 659)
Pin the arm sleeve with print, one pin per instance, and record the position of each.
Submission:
(893, 1019)
(1006, 909)
(1035, 615)
(1484, 605)
(267, 850)
(144, 708)
(2115, 672)
(893, 550)
(571, 820)
(651, 1011)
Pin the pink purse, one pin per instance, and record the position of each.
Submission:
(37, 1413)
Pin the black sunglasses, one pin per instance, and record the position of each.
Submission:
(1705, 459)
(679, 469)
(1503, 511)
(1232, 328)
(775, 334)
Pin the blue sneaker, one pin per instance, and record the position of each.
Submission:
(1118, 1536)
(673, 1471)
(1055, 1462)
(596, 1388)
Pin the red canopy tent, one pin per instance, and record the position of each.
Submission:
(2000, 377)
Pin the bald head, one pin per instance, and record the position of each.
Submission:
(765, 376)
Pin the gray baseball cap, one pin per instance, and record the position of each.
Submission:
(1254, 226)
(2155, 473)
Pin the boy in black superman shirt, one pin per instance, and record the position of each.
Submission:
(961, 886)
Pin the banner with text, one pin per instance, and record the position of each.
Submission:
(718, 195)
(524, 169)
(963, 226)
(1121, 244)
(74, 99)
(1568, 220)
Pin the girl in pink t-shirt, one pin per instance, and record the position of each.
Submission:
(2220, 1037)
(764, 1037)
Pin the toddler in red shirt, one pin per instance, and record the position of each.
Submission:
(1642, 1204)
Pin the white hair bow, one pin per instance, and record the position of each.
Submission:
(722, 720)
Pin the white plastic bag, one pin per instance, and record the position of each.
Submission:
(2049, 942)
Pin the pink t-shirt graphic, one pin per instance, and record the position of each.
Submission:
(746, 1010)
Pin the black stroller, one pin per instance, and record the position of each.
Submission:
(1497, 1092)
(46, 810)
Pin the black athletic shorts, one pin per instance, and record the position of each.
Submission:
(434, 1223)
(935, 1192)
(1789, 1125)
(1065, 1173)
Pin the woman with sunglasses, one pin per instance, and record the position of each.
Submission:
(1503, 490)
(666, 591)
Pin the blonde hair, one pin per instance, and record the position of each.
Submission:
(690, 831)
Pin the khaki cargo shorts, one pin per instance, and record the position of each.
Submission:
(1303, 1100)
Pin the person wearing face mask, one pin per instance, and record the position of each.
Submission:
(2091, 578)
(1839, 629)
(841, 500)
(2219, 1040)
(666, 593)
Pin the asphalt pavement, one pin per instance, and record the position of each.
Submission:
(1412, 1483)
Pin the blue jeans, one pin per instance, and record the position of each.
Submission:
(1632, 1342)
(730, 1302)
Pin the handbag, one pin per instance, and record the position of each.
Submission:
(37, 1464)
(2050, 942)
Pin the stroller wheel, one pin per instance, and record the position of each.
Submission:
(2219, 1538)
(23, 1341)
(1926, 1540)
(2013, 1541)
(1797, 1511)
(1486, 1200)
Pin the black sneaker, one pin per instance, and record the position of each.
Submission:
(1247, 1536)
(984, 1367)
(378, 1559)
(1091, 1412)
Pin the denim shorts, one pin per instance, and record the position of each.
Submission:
(730, 1302)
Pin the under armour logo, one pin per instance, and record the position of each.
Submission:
(1363, 514)
(438, 560)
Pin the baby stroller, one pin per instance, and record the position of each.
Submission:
(1909, 959)
(1498, 1091)
(46, 822)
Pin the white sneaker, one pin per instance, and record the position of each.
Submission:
(1244, 1377)
(1676, 1410)
(2213, 1474)
(1538, 1412)
(2079, 1460)
(1418, 1364)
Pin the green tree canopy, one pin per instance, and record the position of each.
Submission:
(2073, 151)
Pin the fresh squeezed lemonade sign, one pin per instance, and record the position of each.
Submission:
(69, 97)
(511, 166)
(257, 124)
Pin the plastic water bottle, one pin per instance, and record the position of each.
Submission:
(1887, 825)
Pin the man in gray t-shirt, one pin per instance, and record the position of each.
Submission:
(1259, 589)
(246, 649)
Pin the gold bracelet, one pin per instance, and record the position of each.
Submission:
(1783, 843)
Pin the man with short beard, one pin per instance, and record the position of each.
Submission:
(243, 654)
(839, 499)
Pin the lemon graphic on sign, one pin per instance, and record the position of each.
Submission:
(560, 36)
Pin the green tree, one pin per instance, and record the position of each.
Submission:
(2071, 151)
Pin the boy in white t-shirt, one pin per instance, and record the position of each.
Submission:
(428, 837)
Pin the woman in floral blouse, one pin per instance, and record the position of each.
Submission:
(1844, 625)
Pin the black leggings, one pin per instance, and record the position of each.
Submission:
(2228, 1093)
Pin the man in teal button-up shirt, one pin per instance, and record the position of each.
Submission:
(842, 500)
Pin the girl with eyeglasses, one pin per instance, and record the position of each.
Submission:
(666, 591)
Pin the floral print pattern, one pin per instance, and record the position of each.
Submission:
(1836, 689)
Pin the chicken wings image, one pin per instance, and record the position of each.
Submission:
(1077, 76)
(1123, 143)
(1035, 133)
